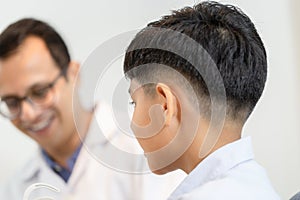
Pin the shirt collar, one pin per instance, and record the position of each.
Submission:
(216, 164)
(70, 162)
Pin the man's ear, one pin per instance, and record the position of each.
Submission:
(168, 101)
(73, 70)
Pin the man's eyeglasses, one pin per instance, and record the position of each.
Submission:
(42, 96)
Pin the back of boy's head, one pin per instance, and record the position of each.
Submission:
(226, 34)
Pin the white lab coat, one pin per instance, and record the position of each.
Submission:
(90, 179)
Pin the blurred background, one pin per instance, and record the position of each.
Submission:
(275, 123)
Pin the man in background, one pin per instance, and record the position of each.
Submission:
(37, 78)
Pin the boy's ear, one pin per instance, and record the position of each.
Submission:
(73, 70)
(168, 101)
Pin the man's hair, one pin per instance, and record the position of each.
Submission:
(15, 34)
(230, 39)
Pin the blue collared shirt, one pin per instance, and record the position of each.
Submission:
(63, 172)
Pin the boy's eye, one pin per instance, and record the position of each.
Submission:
(132, 103)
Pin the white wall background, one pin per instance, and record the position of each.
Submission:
(274, 125)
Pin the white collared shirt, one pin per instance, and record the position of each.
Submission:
(228, 173)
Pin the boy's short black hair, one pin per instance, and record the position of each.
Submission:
(232, 42)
